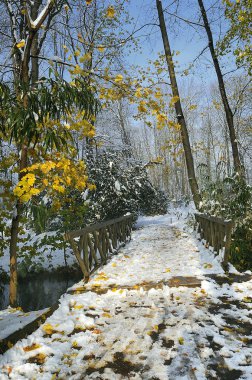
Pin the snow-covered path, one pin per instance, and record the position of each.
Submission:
(128, 323)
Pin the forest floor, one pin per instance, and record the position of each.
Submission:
(132, 320)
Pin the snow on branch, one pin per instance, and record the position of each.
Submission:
(36, 24)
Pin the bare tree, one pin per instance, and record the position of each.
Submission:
(229, 114)
(178, 108)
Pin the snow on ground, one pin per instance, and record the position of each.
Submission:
(12, 320)
(114, 328)
(47, 254)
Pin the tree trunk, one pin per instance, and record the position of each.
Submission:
(14, 236)
(24, 80)
(34, 46)
(178, 108)
(229, 115)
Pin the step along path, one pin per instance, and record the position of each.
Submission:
(160, 309)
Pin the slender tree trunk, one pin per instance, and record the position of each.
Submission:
(24, 80)
(229, 115)
(208, 155)
(178, 108)
(14, 236)
(35, 47)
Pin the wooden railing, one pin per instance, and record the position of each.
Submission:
(217, 234)
(92, 244)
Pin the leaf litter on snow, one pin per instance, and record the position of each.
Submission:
(128, 331)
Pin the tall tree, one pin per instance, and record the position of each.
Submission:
(27, 107)
(229, 114)
(178, 108)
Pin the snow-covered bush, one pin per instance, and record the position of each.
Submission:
(232, 199)
(121, 187)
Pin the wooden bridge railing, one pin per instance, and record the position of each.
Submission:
(92, 244)
(216, 232)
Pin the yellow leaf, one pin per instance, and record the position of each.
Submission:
(96, 331)
(48, 329)
(158, 95)
(192, 107)
(110, 12)
(118, 78)
(181, 340)
(20, 44)
(167, 270)
(101, 48)
(207, 266)
(106, 315)
(34, 191)
(77, 307)
(138, 92)
(114, 265)
(34, 346)
(38, 359)
(9, 344)
(85, 57)
(247, 299)
(75, 344)
(142, 108)
(25, 197)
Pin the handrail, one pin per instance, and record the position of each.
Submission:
(217, 233)
(97, 241)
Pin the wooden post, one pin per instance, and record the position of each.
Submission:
(103, 237)
(229, 227)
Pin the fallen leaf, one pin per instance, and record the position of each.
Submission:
(247, 299)
(49, 329)
(77, 307)
(181, 340)
(106, 315)
(207, 265)
(34, 346)
(37, 359)
(96, 331)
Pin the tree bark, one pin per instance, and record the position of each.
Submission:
(14, 235)
(229, 115)
(178, 108)
(24, 80)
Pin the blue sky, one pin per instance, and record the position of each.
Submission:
(189, 41)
